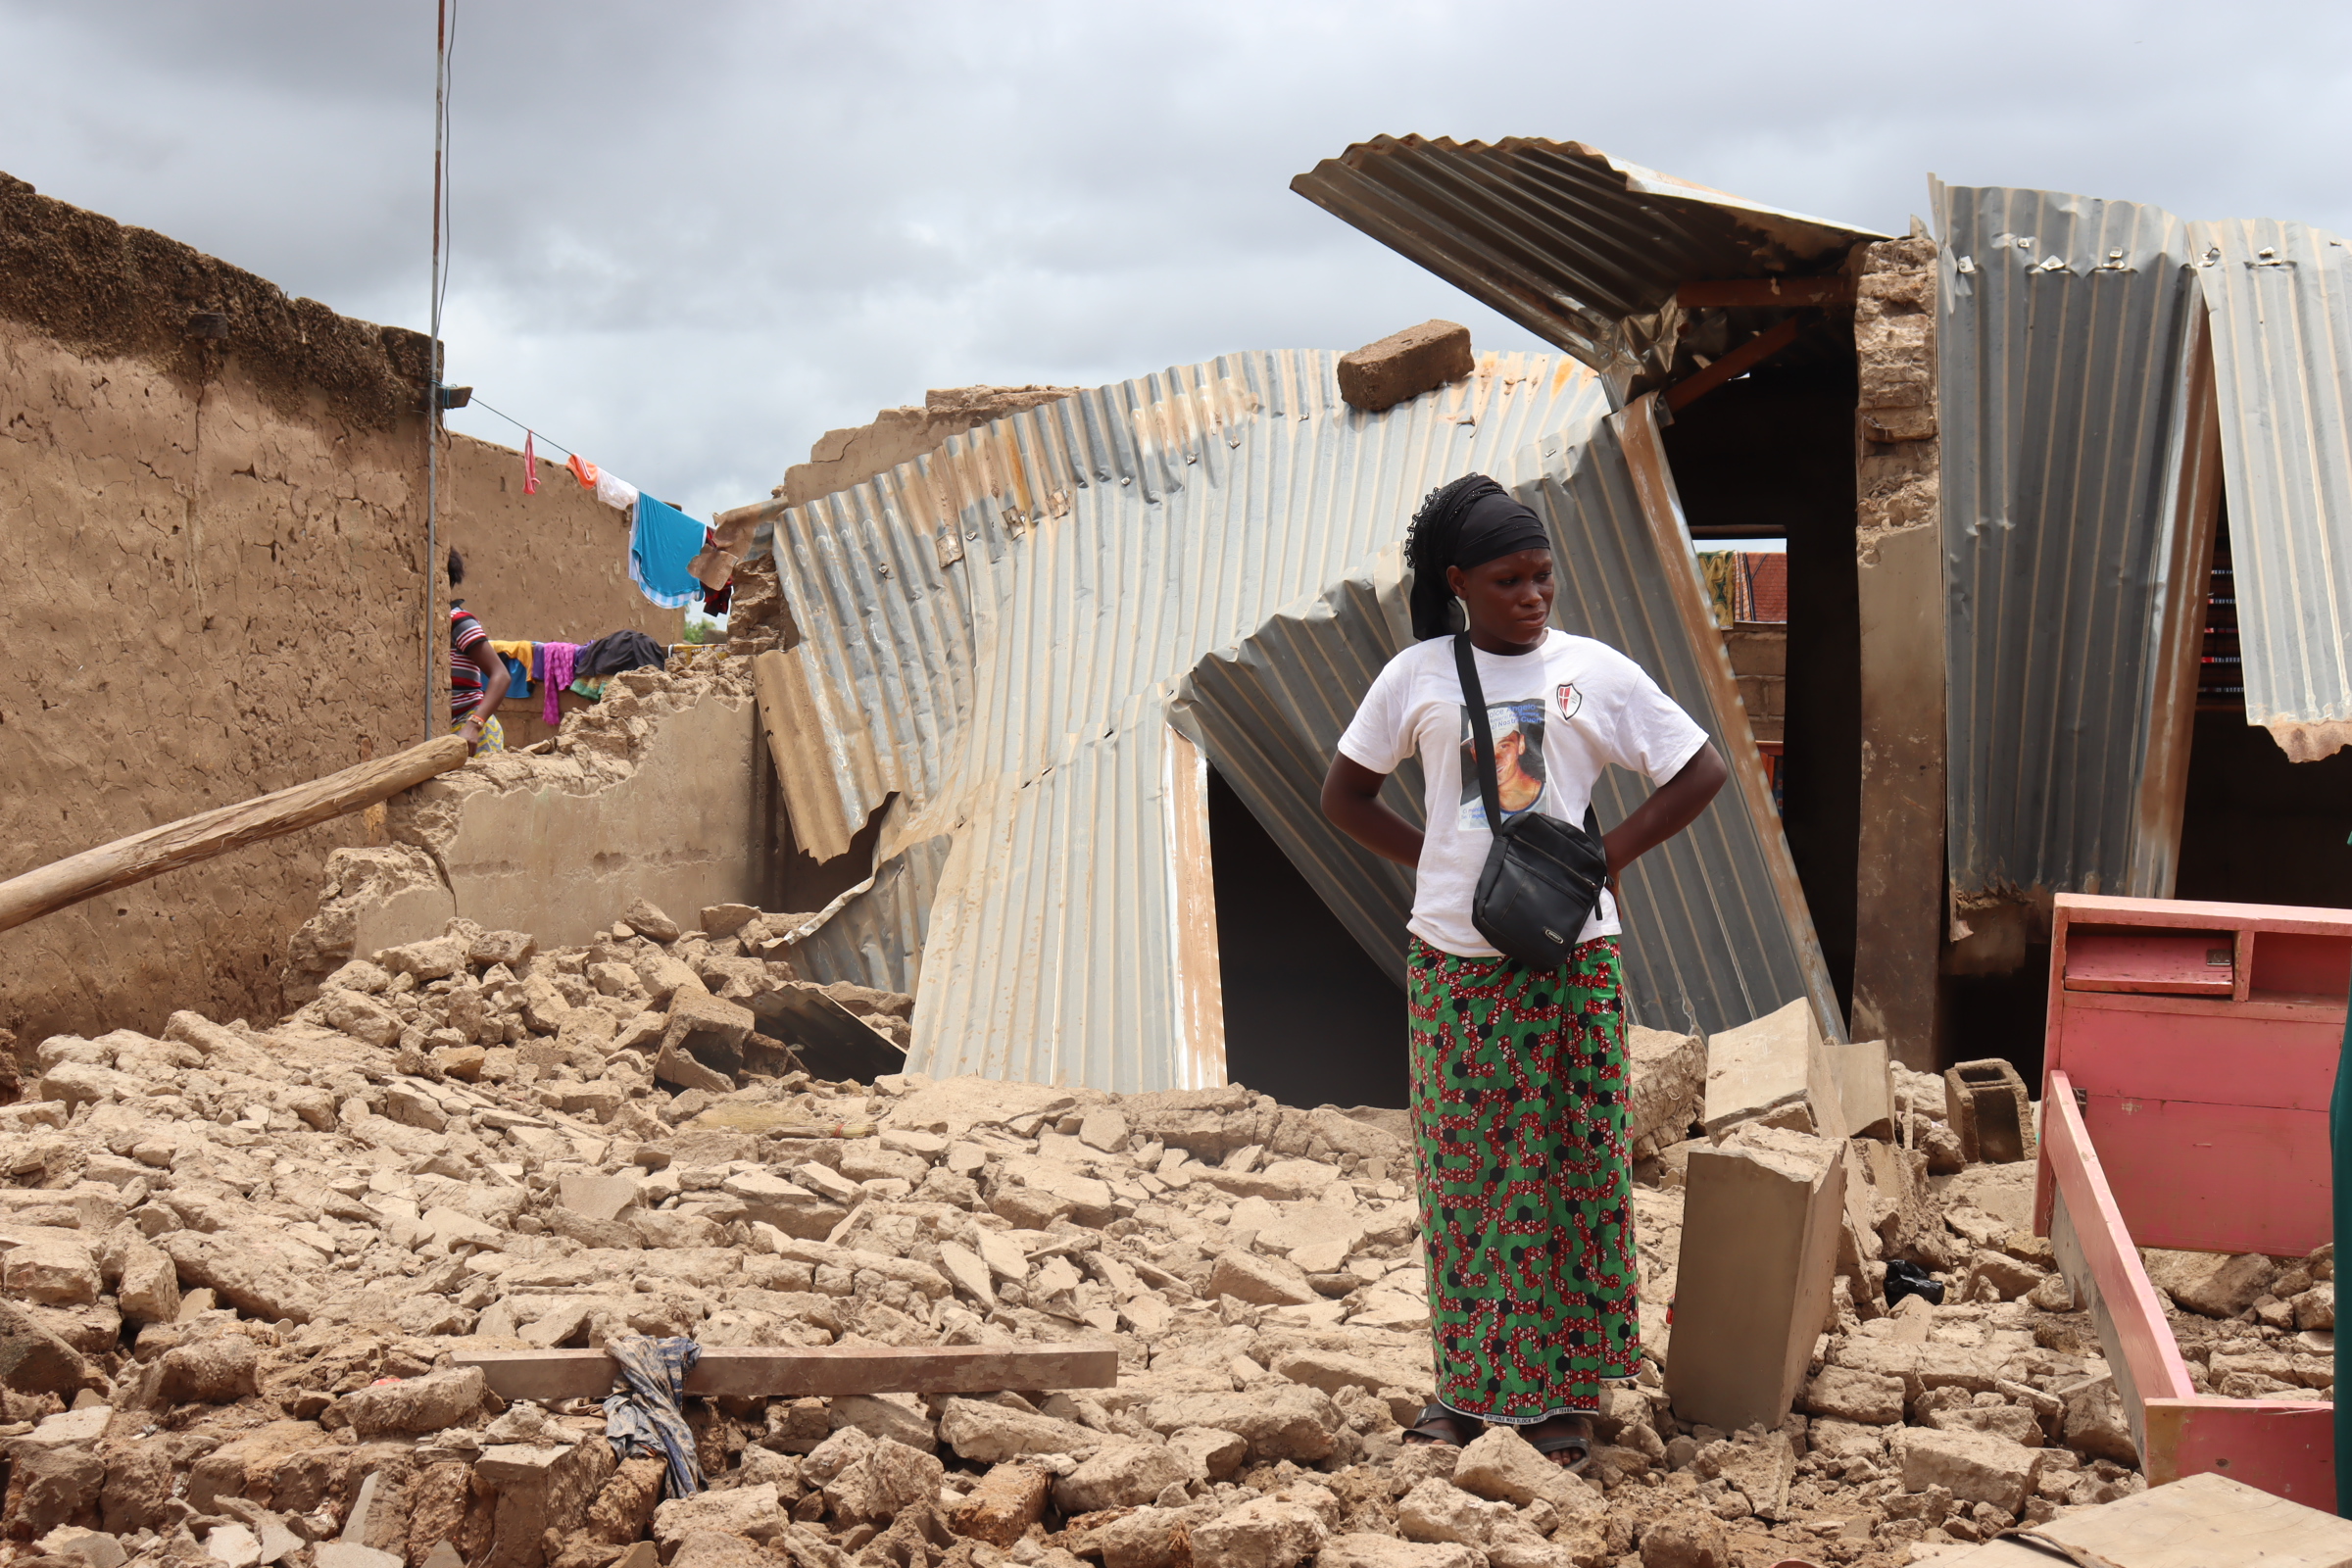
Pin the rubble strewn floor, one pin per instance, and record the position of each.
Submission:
(241, 1257)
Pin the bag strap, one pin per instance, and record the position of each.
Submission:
(1480, 733)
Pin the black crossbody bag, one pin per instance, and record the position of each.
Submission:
(1544, 878)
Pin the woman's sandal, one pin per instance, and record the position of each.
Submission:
(1438, 1425)
(1573, 1433)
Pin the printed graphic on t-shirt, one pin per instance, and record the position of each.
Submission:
(1518, 730)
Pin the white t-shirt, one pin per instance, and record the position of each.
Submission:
(1557, 716)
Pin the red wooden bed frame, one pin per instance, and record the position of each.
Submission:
(2190, 1057)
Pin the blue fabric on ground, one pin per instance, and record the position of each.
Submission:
(646, 1419)
(662, 544)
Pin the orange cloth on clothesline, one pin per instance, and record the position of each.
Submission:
(583, 471)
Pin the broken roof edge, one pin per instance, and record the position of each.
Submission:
(1584, 249)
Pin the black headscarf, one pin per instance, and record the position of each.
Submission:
(1466, 523)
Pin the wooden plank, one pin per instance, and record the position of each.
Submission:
(199, 837)
(1737, 293)
(2166, 962)
(2215, 1178)
(2100, 908)
(2207, 1521)
(821, 1372)
(1653, 486)
(1742, 359)
(1199, 973)
(2224, 1058)
(2195, 505)
(2143, 1338)
(2284, 1446)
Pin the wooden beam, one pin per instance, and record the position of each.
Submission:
(822, 1372)
(192, 839)
(1767, 292)
(1637, 428)
(1742, 359)
(2195, 486)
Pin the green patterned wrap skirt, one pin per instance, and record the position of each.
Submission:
(1519, 1083)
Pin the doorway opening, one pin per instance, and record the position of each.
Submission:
(1309, 1017)
(2256, 828)
(1771, 456)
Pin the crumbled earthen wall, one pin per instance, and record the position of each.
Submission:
(211, 569)
(648, 794)
(841, 458)
(1899, 581)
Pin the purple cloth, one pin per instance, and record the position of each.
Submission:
(560, 658)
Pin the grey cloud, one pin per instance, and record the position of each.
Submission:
(691, 237)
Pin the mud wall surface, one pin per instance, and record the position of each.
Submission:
(211, 552)
(649, 794)
(546, 567)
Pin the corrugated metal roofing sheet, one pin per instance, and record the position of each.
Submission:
(1709, 942)
(2062, 351)
(993, 634)
(2280, 298)
(1581, 249)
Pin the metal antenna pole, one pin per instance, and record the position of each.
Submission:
(432, 380)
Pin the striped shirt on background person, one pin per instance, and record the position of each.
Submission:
(466, 634)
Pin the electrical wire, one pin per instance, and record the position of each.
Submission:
(537, 433)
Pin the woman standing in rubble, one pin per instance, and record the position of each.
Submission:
(1519, 1073)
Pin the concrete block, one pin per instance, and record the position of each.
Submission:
(1404, 365)
(1776, 1069)
(1990, 1108)
(1760, 1220)
(1865, 1088)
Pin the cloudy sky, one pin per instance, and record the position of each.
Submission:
(690, 237)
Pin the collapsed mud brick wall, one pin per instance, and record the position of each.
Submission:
(256, 1262)
(211, 559)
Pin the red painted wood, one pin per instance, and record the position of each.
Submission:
(2216, 1178)
(2175, 962)
(2284, 1447)
(2089, 908)
(2301, 964)
(2217, 1058)
(2074, 1164)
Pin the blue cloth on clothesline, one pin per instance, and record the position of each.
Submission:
(662, 544)
(647, 1419)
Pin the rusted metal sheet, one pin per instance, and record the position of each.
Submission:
(2065, 346)
(2280, 297)
(1584, 250)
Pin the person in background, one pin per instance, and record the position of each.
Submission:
(477, 677)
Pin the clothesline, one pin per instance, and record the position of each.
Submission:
(672, 558)
(529, 431)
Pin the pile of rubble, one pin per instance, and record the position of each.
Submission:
(239, 1261)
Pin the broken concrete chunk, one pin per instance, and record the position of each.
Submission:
(1991, 1110)
(1009, 1499)
(1263, 1533)
(432, 1402)
(1502, 1466)
(646, 921)
(1776, 1069)
(1973, 1466)
(1279, 1421)
(1760, 1226)
(1120, 1474)
(1669, 1088)
(1260, 1280)
(54, 1273)
(1404, 365)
